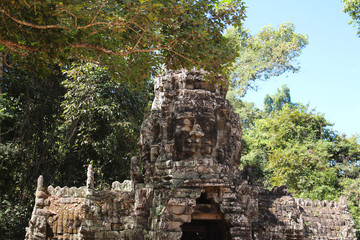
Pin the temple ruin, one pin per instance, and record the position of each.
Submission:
(186, 183)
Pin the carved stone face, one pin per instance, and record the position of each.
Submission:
(195, 135)
(191, 124)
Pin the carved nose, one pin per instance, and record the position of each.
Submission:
(197, 131)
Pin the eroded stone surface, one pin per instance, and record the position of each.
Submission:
(190, 187)
(192, 131)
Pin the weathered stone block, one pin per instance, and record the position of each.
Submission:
(181, 218)
(176, 209)
(172, 226)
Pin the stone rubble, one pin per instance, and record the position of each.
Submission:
(190, 186)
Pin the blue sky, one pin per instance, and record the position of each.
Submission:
(330, 65)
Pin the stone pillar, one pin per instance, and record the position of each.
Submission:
(38, 221)
(90, 180)
(40, 190)
(40, 183)
(343, 203)
(136, 175)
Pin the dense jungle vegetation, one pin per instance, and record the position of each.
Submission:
(76, 82)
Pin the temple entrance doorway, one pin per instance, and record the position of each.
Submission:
(207, 222)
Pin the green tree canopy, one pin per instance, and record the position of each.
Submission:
(55, 126)
(352, 7)
(269, 53)
(29, 120)
(131, 36)
(247, 111)
(291, 142)
(278, 100)
(101, 123)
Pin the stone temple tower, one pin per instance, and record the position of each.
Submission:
(191, 146)
(186, 184)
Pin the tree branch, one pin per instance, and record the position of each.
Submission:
(26, 4)
(141, 36)
(97, 13)
(181, 55)
(5, 56)
(14, 46)
(30, 24)
(71, 14)
(110, 52)
(94, 24)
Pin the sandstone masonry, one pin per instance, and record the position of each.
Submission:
(186, 184)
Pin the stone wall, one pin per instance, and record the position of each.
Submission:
(284, 217)
(83, 213)
(189, 185)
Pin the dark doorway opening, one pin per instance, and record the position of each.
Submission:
(207, 222)
(203, 230)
